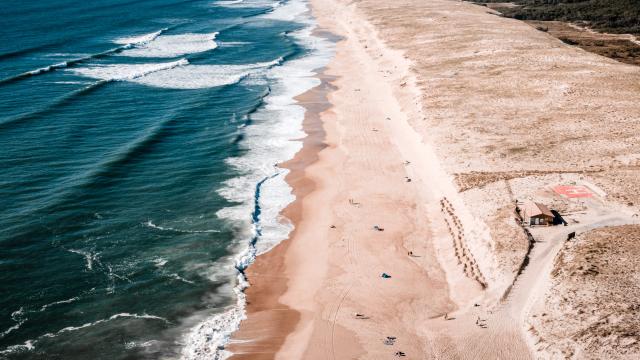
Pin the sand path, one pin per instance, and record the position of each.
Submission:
(501, 331)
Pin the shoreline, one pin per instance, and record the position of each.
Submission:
(285, 316)
(281, 119)
(262, 295)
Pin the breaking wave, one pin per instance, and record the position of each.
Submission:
(228, 2)
(97, 322)
(247, 4)
(167, 46)
(31, 344)
(18, 317)
(139, 39)
(45, 307)
(27, 346)
(270, 137)
(120, 72)
(141, 344)
(158, 227)
(176, 74)
(135, 41)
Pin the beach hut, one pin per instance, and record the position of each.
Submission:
(535, 213)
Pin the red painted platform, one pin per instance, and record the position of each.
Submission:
(573, 191)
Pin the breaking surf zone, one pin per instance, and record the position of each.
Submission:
(134, 41)
(278, 119)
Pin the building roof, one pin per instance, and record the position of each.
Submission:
(530, 208)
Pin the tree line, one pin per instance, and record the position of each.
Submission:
(612, 16)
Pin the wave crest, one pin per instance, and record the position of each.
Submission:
(176, 74)
(111, 318)
(162, 228)
(140, 39)
(127, 43)
(168, 46)
(126, 72)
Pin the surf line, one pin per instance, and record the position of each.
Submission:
(241, 265)
(73, 62)
(63, 100)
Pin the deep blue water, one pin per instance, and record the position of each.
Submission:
(113, 167)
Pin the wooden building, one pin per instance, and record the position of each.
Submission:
(534, 213)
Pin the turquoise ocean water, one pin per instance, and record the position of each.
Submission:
(138, 143)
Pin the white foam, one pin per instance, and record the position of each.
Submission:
(290, 11)
(18, 317)
(27, 345)
(45, 307)
(72, 82)
(67, 55)
(159, 262)
(197, 77)
(271, 138)
(45, 69)
(11, 329)
(17, 314)
(167, 46)
(112, 275)
(89, 257)
(228, 2)
(113, 317)
(207, 339)
(174, 75)
(180, 278)
(30, 344)
(139, 39)
(134, 43)
(233, 43)
(143, 344)
(158, 227)
(247, 3)
(120, 72)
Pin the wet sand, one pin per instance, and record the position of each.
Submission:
(271, 321)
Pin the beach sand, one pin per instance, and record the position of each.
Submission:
(441, 114)
(331, 266)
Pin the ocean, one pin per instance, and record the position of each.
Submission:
(139, 152)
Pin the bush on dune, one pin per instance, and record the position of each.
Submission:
(614, 16)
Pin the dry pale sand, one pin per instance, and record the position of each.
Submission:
(475, 110)
(591, 310)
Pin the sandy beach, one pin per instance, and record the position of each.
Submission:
(333, 262)
(432, 119)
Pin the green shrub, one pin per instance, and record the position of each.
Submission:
(614, 16)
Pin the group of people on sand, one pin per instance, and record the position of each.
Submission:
(390, 340)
